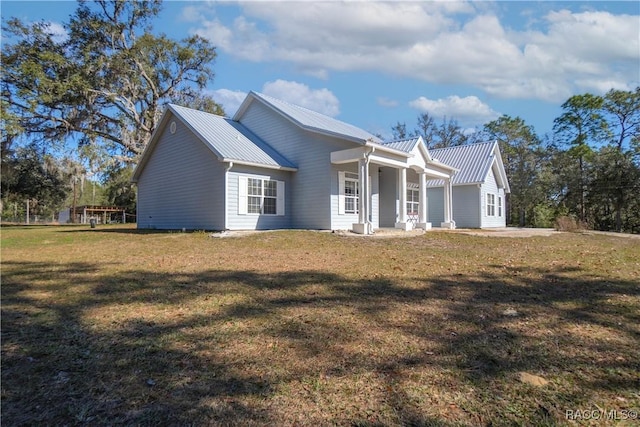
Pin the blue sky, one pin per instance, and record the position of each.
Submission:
(373, 64)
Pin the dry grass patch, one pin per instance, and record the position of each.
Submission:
(117, 326)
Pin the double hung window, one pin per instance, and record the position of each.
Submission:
(349, 192)
(413, 202)
(491, 204)
(260, 196)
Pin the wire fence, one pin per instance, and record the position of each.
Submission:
(56, 220)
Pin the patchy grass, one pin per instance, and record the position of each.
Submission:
(117, 326)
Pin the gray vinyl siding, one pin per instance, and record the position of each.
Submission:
(388, 196)
(375, 195)
(182, 185)
(435, 206)
(311, 186)
(341, 221)
(346, 221)
(491, 186)
(466, 206)
(237, 221)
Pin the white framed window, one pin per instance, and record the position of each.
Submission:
(491, 204)
(260, 196)
(349, 192)
(499, 206)
(413, 201)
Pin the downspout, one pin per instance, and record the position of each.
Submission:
(226, 195)
(368, 222)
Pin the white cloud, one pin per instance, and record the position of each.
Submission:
(320, 100)
(229, 99)
(190, 14)
(386, 102)
(439, 42)
(57, 31)
(467, 111)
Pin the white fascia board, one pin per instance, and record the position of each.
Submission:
(503, 173)
(433, 173)
(348, 156)
(380, 147)
(258, 165)
(385, 161)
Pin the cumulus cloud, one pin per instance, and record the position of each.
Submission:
(438, 42)
(320, 100)
(229, 99)
(386, 102)
(467, 111)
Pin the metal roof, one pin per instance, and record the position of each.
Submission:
(473, 161)
(312, 120)
(406, 145)
(229, 139)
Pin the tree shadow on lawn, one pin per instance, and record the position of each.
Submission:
(305, 347)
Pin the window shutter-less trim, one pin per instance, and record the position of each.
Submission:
(280, 199)
(242, 195)
(341, 192)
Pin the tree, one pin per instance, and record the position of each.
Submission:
(426, 128)
(613, 190)
(399, 131)
(30, 174)
(108, 82)
(623, 110)
(449, 134)
(524, 160)
(119, 189)
(580, 125)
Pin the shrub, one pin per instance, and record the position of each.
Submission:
(568, 223)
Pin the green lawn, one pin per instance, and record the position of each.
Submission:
(113, 326)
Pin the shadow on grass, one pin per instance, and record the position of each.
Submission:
(250, 348)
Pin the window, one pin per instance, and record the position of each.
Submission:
(349, 187)
(413, 202)
(260, 196)
(499, 206)
(491, 205)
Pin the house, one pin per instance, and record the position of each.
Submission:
(479, 189)
(277, 165)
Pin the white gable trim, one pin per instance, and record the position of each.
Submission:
(501, 176)
(258, 165)
(251, 97)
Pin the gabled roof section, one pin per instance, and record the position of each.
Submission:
(308, 119)
(406, 145)
(229, 140)
(474, 161)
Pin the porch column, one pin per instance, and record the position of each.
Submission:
(422, 207)
(448, 206)
(363, 226)
(402, 193)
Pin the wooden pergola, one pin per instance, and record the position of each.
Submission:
(102, 214)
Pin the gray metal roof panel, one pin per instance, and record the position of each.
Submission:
(473, 161)
(230, 139)
(405, 145)
(314, 121)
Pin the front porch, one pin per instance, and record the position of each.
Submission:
(388, 188)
